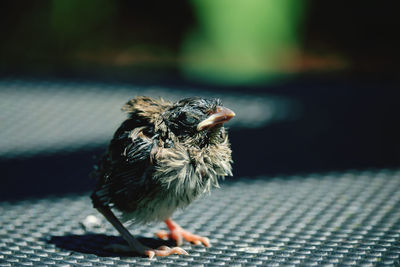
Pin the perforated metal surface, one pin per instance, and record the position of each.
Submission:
(350, 218)
(43, 117)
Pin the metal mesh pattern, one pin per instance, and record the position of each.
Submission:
(350, 218)
(49, 117)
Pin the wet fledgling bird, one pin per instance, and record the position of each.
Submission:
(162, 157)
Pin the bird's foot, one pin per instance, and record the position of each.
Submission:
(149, 252)
(179, 234)
(165, 251)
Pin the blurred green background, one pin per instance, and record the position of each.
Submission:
(232, 42)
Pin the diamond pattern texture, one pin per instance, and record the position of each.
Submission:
(40, 117)
(349, 218)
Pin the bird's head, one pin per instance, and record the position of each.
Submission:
(197, 118)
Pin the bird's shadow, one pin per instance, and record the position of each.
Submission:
(99, 244)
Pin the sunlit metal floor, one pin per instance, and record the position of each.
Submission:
(349, 218)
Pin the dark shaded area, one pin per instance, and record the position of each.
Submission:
(343, 124)
(363, 32)
(48, 175)
(98, 32)
(97, 244)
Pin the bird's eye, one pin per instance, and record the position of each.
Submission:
(190, 120)
(186, 119)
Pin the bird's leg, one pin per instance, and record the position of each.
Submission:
(177, 233)
(134, 244)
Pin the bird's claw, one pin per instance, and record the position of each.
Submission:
(149, 252)
(165, 251)
(162, 234)
(180, 234)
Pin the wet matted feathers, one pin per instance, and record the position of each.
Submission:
(162, 157)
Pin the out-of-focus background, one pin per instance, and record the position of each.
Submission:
(314, 84)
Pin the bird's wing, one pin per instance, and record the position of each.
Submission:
(125, 172)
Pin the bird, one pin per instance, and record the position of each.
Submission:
(161, 158)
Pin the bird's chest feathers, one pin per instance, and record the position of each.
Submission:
(184, 174)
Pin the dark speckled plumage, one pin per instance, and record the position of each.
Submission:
(158, 161)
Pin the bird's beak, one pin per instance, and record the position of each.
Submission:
(221, 116)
